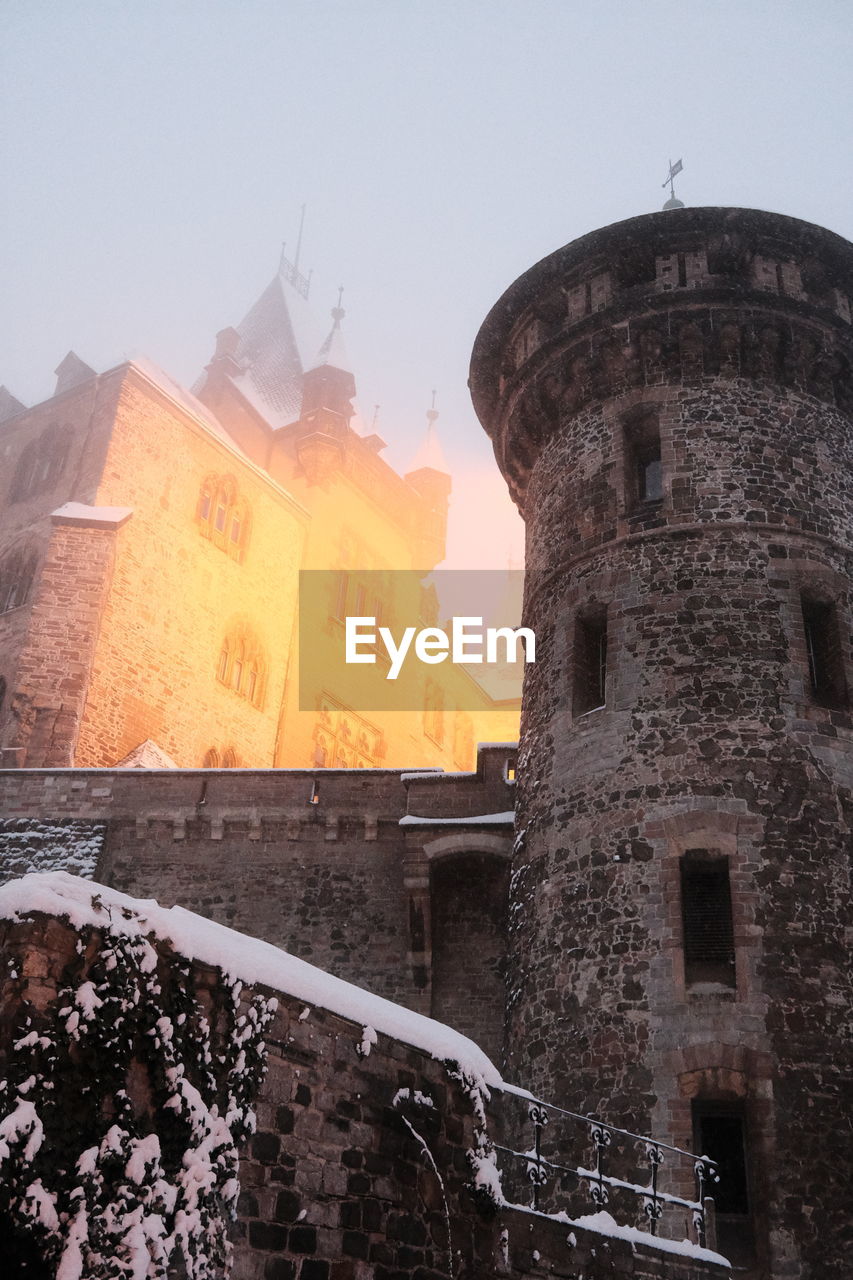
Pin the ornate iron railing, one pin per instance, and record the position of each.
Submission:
(625, 1175)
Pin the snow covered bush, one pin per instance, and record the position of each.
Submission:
(122, 1110)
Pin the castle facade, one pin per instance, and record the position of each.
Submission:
(671, 402)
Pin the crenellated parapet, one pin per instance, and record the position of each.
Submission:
(664, 299)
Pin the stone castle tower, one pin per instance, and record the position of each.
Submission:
(670, 401)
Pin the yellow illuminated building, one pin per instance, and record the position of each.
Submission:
(151, 541)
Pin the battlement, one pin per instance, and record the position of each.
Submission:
(673, 297)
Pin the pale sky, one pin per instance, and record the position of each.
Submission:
(155, 154)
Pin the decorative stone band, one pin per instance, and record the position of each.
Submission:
(673, 298)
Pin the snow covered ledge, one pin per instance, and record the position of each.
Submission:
(147, 1051)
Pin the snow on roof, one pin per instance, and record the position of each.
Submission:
(279, 338)
(148, 755)
(252, 961)
(478, 819)
(185, 399)
(72, 512)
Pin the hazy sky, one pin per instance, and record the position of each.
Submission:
(156, 154)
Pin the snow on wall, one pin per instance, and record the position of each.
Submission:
(240, 957)
(29, 845)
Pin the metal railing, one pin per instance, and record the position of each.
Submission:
(663, 1189)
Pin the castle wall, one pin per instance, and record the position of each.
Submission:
(65, 440)
(343, 882)
(178, 595)
(360, 1163)
(722, 337)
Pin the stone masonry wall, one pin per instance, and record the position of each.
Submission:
(340, 883)
(359, 1167)
(82, 418)
(728, 331)
(178, 595)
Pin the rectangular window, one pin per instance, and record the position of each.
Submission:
(235, 530)
(706, 907)
(236, 673)
(719, 1131)
(643, 466)
(824, 652)
(590, 662)
(343, 593)
(219, 523)
(204, 506)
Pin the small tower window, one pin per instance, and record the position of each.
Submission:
(824, 652)
(706, 906)
(590, 662)
(643, 466)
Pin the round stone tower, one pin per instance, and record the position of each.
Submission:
(670, 401)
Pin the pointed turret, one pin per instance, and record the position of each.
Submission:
(329, 387)
(430, 477)
(258, 366)
(327, 392)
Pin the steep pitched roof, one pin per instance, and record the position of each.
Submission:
(278, 339)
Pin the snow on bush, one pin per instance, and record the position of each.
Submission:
(122, 1112)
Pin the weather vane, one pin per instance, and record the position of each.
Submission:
(673, 202)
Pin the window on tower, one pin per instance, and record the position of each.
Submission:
(643, 465)
(824, 652)
(706, 909)
(590, 661)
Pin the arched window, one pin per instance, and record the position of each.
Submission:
(211, 759)
(17, 572)
(41, 463)
(223, 516)
(230, 759)
(242, 665)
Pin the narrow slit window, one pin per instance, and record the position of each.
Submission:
(706, 904)
(643, 464)
(590, 665)
(824, 653)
